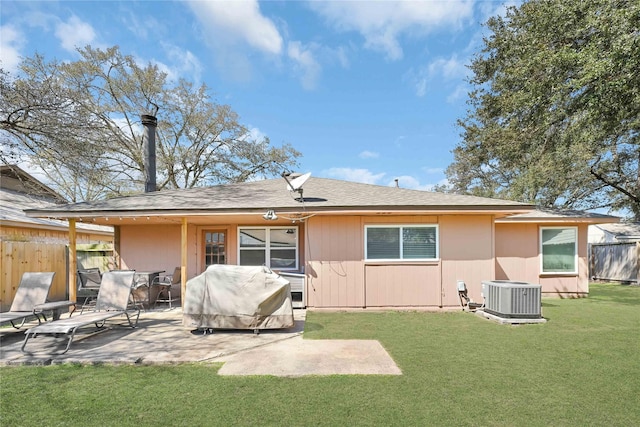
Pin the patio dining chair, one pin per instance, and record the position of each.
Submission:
(168, 291)
(88, 285)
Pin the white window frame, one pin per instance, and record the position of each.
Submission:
(575, 252)
(400, 227)
(267, 248)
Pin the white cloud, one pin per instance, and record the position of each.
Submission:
(355, 175)
(398, 141)
(184, 62)
(489, 9)
(181, 63)
(383, 23)
(431, 171)
(305, 64)
(342, 56)
(234, 30)
(459, 93)
(140, 26)
(367, 177)
(440, 70)
(256, 134)
(238, 22)
(411, 183)
(449, 69)
(369, 155)
(74, 33)
(11, 41)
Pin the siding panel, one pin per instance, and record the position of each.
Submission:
(403, 285)
(334, 267)
(466, 251)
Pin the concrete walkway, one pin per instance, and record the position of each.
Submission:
(160, 338)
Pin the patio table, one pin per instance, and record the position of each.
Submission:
(147, 277)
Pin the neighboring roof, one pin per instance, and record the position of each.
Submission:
(320, 195)
(12, 214)
(20, 191)
(541, 215)
(14, 178)
(622, 230)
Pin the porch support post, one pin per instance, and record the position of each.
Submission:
(73, 261)
(183, 261)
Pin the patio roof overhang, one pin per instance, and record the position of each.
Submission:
(122, 217)
(553, 216)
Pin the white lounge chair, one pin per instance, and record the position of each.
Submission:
(33, 291)
(113, 300)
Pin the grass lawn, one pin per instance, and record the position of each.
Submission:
(580, 368)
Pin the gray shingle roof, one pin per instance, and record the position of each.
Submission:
(320, 194)
(13, 204)
(623, 230)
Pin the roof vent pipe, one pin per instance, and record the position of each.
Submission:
(149, 147)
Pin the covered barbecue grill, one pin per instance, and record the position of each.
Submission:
(238, 297)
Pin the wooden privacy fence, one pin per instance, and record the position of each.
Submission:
(616, 261)
(21, 257)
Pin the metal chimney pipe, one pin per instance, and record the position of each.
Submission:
(149, 145)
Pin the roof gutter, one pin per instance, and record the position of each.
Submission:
(382, 210)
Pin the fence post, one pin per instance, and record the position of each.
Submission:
(638, 263)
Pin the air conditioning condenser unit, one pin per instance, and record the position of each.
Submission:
(504, 298)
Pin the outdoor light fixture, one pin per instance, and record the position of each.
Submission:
(270, 215)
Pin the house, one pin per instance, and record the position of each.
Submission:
(548, 247)
(38, 244)
(614, 252)
(353, 245)
(19, 191)
(615, 233)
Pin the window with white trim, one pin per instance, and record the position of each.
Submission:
(401, 242)
(275, 247)
(559, 250)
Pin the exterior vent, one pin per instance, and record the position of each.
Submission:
(505, 298)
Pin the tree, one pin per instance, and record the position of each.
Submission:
(80, 123)
(554, 110)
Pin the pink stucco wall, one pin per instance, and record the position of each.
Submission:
(331, 249)
(155, 247)
(338, 275)
(517, 258)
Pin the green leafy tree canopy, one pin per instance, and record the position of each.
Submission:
(554, 110)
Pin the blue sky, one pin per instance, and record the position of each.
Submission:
(367, 91)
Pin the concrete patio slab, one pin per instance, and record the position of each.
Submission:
(160, 338)
(298, 357)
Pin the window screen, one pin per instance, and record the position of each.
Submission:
(401, 242)
(559, 250)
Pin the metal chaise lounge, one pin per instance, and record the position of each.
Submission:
(113, 300)
(33, 291)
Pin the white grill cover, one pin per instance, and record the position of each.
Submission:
(238, 297)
